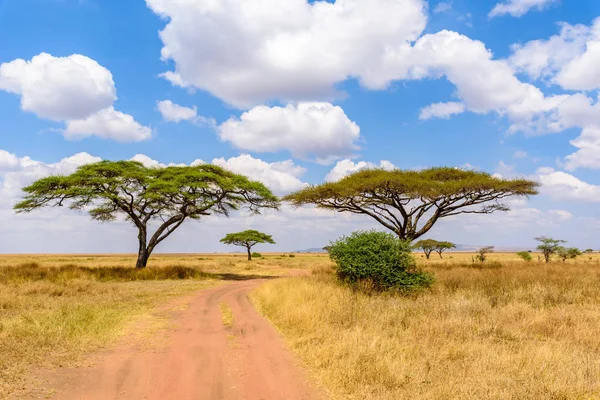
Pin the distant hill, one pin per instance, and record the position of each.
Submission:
(311, 250)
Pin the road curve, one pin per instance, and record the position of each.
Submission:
(202, 359)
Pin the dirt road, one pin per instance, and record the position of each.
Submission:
(201, 359)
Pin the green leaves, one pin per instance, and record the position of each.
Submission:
(400, 199)
(247, 238)
(173, 194)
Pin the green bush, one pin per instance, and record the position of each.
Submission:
(525, 255)
(292, 256)
(378, 259)
(256, 255)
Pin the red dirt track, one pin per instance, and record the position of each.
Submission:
(202, 359)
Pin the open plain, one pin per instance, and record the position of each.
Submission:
(502, 329)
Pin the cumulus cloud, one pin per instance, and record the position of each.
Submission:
(281, 177)
(287, 50)
(73, 89)
(174, 112)
(563, 186)
(518, 8)
(346, 167)
(441, 110)
(568, 59)
(108, 124)
(59, 88)
(319, 131)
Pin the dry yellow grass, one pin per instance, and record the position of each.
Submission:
(512, 331)
(55, 308)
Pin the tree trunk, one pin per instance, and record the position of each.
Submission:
(143, 253)
(142, 259)
(249, 253)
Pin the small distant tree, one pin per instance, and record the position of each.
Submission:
(482, 256)
(443, 246)
(568, 253)
(589, 251)
(549, 246)
(427, 245)
(247, 239)
(525, 255)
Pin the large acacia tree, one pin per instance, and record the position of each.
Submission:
(408, 202)
(166, 196)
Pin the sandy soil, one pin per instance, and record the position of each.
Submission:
(199, 358)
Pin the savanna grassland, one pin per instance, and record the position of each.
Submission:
(505, 329)
(56, 308)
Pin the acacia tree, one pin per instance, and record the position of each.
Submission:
(427, 245)
(169, 196)
(247, 239)
(549, 246)
(409, 203)
(482, 256)
(568, 253)
(443, 246)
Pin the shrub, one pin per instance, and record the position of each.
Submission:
(377, 259)
(292, 255)
(256, 255)
(525, 255)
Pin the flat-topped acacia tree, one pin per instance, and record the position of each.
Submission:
(169, 196)
(409, 202)
(429, 245)
(247, 239)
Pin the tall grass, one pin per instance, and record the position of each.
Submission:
(510, 330)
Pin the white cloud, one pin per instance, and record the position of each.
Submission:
(346, 167)
(544, 58)
(441, 110)
(518, 8)
(108, 124)
(581, 73)
(563, 186)
(568, 59)
(308, 130)
(281, 177)
(174, 112)
(8, 161)
(73, 89)
(20, 172)
(288, 50)
(561, 215)
(59, 88)
(443, 6)
(588, 153)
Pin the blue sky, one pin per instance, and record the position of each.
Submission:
(294, 93)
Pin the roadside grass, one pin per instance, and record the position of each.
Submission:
(506, 329)
(56, 308)
(226, 315)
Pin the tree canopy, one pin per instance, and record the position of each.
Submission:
(167, 196)
(410, 202)
(549, 246)
(429, 245)
(247, 239)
